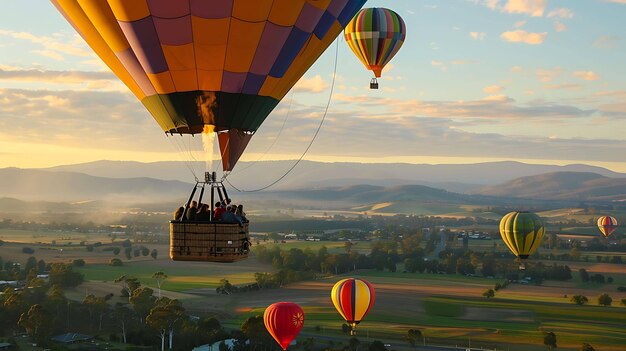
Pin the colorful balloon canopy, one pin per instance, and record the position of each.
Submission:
(522, 232)
(353, 298)
(209, 65)
(283, 321)
(375, 35)
(607, 225)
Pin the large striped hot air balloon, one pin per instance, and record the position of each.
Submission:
(607, 225)
(209, 65)
(283, 321)
(375, 35)
(353, 298)
(522, 232)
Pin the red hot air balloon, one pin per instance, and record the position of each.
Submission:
(283, 321)
(607, 225)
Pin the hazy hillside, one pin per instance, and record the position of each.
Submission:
(308, 174)
(562, 186)
(69, 186)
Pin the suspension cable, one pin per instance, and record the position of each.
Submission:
(330, 95)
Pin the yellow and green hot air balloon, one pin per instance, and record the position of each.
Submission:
(522, 232)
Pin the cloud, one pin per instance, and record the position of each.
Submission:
(533, 8)
(55, 46)
(548, 75)
(563, 86)
(561, 13)
(559, 26)
(440, 65)
(586, 75)
(311, 85)
(522, 36)
(493, 89)
(519, 24)
(59, 77)
(517, 69)
(478, 35)
(607, 42)
(616, 1)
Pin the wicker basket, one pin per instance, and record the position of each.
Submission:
(211, 242)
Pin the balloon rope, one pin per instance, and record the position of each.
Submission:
(330, 95)
(275, 138)
(181, 154)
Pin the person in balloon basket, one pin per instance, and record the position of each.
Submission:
(239, 212)
(192, 211)
(178, 215)
(219, 211)
(229, 216)
(204, 213)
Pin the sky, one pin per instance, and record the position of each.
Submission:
(536, 81)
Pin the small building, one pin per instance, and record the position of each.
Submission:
(71, 338)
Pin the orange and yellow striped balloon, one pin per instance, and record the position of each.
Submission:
(353, 298)
(607, 225)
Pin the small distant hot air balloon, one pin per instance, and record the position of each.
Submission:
(522, 233)
(375, 35)
(353, 298)
(607, 225)
(283, 321)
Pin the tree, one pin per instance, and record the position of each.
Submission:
(95, 306)
(377, 345)
(129, 284)
(142, 301)
(122, 315)
(116, 262)
(605, 300)
(584, 275)
(79, 263)
(154, 254)
(254, 329)
(160, 278)
(489, 293)
(37, 322)
(164, 317)
(354, 343)
(587, 347)
(579, 299)
(550, 340)
(413, 336)
(623, 302)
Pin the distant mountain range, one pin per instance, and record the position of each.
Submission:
(463, 178)
(327, 185)
(39, 185)
(562, 186)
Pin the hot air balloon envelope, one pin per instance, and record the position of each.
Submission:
(607, 225)
(197, 63)
(353, 298)
(283, 321)
(375, 35)
(522, 232)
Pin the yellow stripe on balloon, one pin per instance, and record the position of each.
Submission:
(362, 299)
(334, 295)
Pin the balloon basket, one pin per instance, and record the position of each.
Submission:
(374, 84)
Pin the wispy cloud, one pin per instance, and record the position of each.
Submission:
(442, 66)
(561, 13)
(586, 75)
(548, 75)
(522, 36)
(607, 41)
(311, 85)
(493, 89)
(478, 35)
(54, 46)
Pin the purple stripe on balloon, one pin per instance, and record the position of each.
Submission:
(175, 31)
(143, 39)
(272, 40)
(336, 6)
(132, 65)
(168, 8)
(232, 82)
(211, 9)
(253, 84)
(309, 16)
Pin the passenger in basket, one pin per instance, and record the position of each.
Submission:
(204, 214)
(219, 210)
(178, 215)
(192, 211)
(239, 212)
(229, 216)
